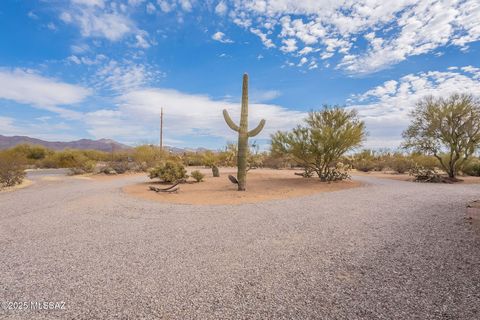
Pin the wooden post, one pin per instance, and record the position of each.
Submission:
(161, 129)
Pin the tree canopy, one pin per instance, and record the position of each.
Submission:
(447, 128)
(326, 136)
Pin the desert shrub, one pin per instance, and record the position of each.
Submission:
(472, 168)
(228, 156)
(364, 161)
(422, 174)
(445, 126)
(364, 165)
(119, 166)
(337, 173)
(147, 156)
(425, 161)
(95, 155)
(326, 136)
(75, 160)
(400, 163)
(31, 152)
(209, 159)
(12, 168)
(197, 175)
(277, 162)
(169, 171)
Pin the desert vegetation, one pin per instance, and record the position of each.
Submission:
(447, 128)
(243, 135)
(319, 145)
(12, 168)
(441, 142)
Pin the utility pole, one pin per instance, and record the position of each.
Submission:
(161, 129)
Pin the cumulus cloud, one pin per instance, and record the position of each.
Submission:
(26, 87)
(392, 30)
(221, 8)
(94, 19)
(138, 111)
(263, 37)
(386, 108)
(221, 37)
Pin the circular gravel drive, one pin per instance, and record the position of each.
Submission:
(387, 250)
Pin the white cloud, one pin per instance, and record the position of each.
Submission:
(150, 8)
(221, 8)
(221, 37)
(52, 26)
(66, 17)
(141, 42)
(87, 61)
(289, 45)
(32, 15)
(386, 108)
(135, 3)
(95, 20)
(165, 6)
(124, 76)
(8, 127)
(90, 3)
(27, 87)
(265, 40)
(136, 118)
(263, 95)
(186, 4)
(393, 30)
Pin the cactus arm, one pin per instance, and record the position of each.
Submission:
(229, 121)
(254, 132)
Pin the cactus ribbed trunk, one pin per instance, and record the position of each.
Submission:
(243, 138)
(243, 135)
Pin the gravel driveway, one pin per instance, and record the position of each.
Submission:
(388, 250)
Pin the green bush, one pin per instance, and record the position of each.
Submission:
(147, 156)
(422, 174)
(75, 160)
(337, 173)
(364, 161)
(12, 168)
(197, 175)
(472, 168)
(400, 163)
(169, 171)
(119, 166)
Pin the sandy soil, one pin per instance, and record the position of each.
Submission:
(24, 184)
(406, 177)
(262, 185)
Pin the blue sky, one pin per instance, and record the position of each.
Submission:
(72, 69)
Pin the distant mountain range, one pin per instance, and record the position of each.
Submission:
(84, 144)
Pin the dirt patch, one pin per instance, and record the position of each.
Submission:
(384, 175)
(262, 185)
(24, 184)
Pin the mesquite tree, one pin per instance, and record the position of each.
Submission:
(243, 135)
(327, 135)
(447, 128)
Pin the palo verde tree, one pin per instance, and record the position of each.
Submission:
(326, 136)
(447, 128)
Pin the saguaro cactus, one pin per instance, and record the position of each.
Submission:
(243, 135)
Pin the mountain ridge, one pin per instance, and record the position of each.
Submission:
(7, 142)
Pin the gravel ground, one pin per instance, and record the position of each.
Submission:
(388, 250)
